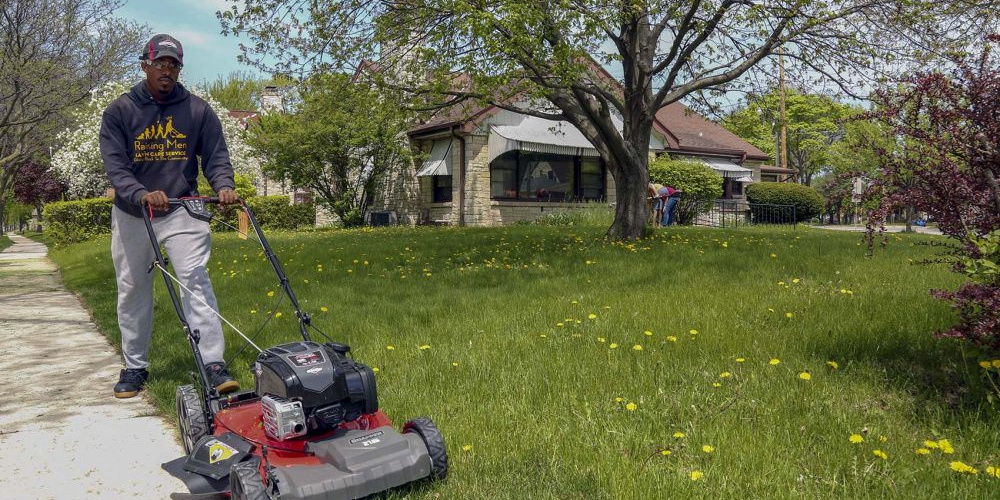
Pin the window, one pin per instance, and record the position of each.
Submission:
(731, 187)
(441, 188)
(546, 177)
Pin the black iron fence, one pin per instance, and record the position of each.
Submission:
(738, 214)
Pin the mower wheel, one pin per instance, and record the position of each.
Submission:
(245, 482)
(190, 416)
(434, 442)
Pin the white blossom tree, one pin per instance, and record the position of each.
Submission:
(78, 159)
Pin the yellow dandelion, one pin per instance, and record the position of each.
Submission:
(559, 324)
(774, 256)
(963, 468)
(647, 333)
(277, 314)
(993, 471)
(770, 309)
(591, 316)
(466, 447)
(693, 332)
(774, 361)
(882, 439)
(305, 281)
(725, 244)
(667, 452)
(781, 283)
(856, 439)
(923, 451)
(996, 363)
(637, 347)
(424, 347)
(324, 309)
(805, 376)
(796, 280)
(631, 406)
(375, 369)
(678, 434)
(601, 340)
(707, 448)
(544, 336)
(671, 338)
(740, 360)
(881, 454)
(270, 293)
(253, 311)
(390, 347)
(832, 364)
(613, 345)
(945, 446)
(573, 302)
(716, 385)
(789, 315)
(725, 375)
(930, 444)
(454, 363)
(619, 400)
(697, 475)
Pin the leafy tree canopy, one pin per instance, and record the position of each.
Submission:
(342, 138)
(666, 50)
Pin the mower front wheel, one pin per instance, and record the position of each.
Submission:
(245, 482)
(190, 416)
(434, 442)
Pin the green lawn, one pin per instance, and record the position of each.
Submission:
(698, 363)
(5, 242)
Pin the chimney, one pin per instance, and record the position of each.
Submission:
(270, 99)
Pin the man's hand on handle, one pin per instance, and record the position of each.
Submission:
(157, 200)
(228, 197)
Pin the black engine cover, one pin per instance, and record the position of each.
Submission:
(331, 386)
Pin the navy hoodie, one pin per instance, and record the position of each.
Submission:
(149, 145)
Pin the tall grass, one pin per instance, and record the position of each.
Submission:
(696, 363)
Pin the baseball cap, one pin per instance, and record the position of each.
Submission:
(163, 46)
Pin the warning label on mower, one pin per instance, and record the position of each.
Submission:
(309, 359)
(218, 451)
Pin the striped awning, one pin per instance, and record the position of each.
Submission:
(728, 168)
(439, 161)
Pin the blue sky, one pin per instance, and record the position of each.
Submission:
(207, 54)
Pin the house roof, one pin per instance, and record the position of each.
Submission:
(697, 134)
(686, 131)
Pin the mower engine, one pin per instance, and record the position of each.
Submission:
(307, 386)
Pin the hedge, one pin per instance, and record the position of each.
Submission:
(72, 221)
(700, 184)
(807, 200)
(69, 222)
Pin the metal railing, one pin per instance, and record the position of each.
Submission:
(740, 214)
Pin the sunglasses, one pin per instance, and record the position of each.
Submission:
(161, 65)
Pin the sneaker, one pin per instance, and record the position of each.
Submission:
(130, 382)
(220, 378)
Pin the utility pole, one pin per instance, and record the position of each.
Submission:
(784, 120)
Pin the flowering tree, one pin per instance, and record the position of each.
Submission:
(78, 159)
(946, 162)
(38, 185)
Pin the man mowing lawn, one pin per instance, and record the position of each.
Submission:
(151, 139)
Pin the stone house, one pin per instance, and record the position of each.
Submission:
(485, 166)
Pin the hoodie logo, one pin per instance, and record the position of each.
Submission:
(160, 141)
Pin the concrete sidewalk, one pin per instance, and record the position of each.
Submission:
(63, 435)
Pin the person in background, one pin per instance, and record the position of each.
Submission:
(151, 140)
(669, 198)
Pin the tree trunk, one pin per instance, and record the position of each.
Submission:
(631, 176)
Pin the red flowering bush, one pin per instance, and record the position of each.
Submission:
(946, 162)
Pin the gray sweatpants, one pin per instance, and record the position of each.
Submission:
(189, 245)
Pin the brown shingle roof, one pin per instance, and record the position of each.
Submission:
(695, 133)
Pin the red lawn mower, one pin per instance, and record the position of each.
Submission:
(310, 430)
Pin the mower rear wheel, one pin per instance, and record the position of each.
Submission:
(245, 482)
(434, 442)
(190, 416)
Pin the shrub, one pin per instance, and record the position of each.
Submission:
(592, 214)
(807, 200)
(272, 212)
(72, 221)
(700, 184)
